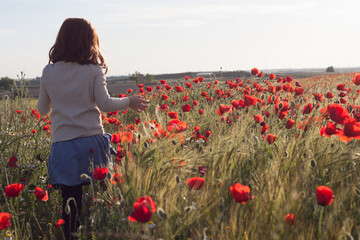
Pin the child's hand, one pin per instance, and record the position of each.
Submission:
(138, 103)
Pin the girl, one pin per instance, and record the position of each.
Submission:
(73, 88)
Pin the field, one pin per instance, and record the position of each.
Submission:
(257, 158)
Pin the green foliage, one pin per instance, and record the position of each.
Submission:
(6, 83)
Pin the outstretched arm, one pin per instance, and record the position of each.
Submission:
(44, 102)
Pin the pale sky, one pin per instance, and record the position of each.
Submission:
(168, 36)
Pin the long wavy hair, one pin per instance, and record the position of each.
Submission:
(77, 41)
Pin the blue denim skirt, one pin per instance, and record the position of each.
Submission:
(70, 159)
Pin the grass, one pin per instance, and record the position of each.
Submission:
(282, 176)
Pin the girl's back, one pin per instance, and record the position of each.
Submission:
(70, 87)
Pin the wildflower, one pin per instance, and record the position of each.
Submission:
(173, 115)
(195, 183)
(338, 113)
(143, 209)
(356, 79)
(186, 108)
(222, 108)
(272, 76)
(41, 194)
(164, 97)
(290, 219)
(179, 89)
(254, 71)
(290, 123)
(329, 95)
(324, 195)
(329, 130)
(60, 222)
(100, 173)
(271, 138)
(129, 91)
(351, 130)
(258, 118)
(308, 108)
(240, 193)
(13, 190)
(201, 111)
(12, 162)
(5, 220)
(249, 100)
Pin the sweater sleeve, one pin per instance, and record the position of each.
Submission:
(103, 100)
(44, 102)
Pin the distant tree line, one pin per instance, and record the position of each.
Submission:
(6, 83)
(330, 69)
(139, 77)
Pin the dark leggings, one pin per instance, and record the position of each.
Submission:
(72, 221)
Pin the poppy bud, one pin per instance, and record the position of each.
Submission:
(280, 105)
(162, 213)
(313, 163)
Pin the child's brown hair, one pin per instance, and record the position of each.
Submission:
(77, 41)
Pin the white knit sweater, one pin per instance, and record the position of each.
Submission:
(75, 94)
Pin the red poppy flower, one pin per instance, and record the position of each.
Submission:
(356, 79)
(290, 219)
(341, 87)
(272, 76)
(175, 125)
(329, 130)
(271, 138)
(290, 123)
(186, 108)
(163, 82)
(41, 194)
(179, 89)
(324, 195)
(289, 79)
(351, 130)
(5, 220)
(201, 111)
(338, 113)
(237, 103)
(258, 118)
(197, 128)
(240, 193)
(12, 162)
(204, 94)
(254, 71)
(143, 209)
(343, 101)
(60, 222)
(249, 100)
(195, 183)
(188, 85)
(329, 95)
(173, 114)
(141, 90)
(164, 97)
(129, 91)
(13, 190)
(308, 108)
(137, 121)
(149, 89)
(46, 127)
(318, 97)
(222, 108)
(100, 173)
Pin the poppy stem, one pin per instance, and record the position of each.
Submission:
(320, 220)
